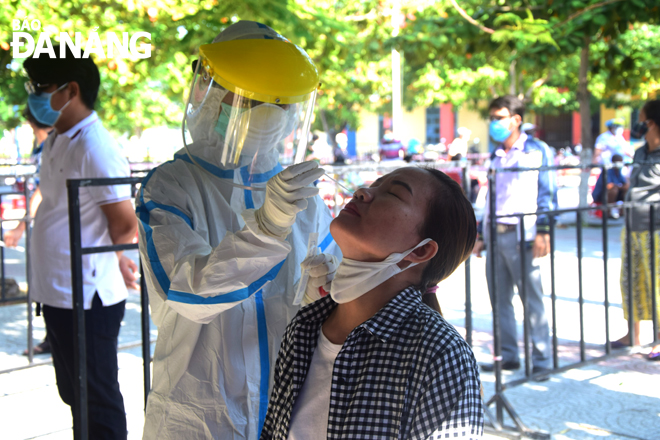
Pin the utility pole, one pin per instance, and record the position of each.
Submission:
(397, 110)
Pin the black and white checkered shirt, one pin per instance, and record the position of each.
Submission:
(403, 374)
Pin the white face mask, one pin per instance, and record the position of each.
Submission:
(618, 131)
(269, 124)
(355, 278)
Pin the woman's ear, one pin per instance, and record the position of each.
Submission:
(423, 253)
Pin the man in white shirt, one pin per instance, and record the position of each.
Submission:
(612, 142)
(62, 91)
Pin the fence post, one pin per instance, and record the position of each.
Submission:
(28, 230)
(468, 284)
(3, 283)
(79, 342)
(606, 301)
(580, 291)
(491, 253)
(629, 272)
(523, 296)
(553, 295)
(654, 300)
(146, 335)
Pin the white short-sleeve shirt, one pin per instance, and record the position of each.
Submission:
(87, 150)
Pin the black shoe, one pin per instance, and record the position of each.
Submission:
(506, 365)
(543, 372)
(42, 348)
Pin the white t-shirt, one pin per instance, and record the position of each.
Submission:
(87, 150)
(611, 144)
(309, 417)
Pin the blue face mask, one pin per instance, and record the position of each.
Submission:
(41, 109)
(223, 119)
(498, 131)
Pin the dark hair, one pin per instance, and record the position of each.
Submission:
(46, 70)
(509, 102)
(652, 111)
(27, 114)
(451, 223)
(617, 158)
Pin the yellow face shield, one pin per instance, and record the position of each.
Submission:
(250, 101)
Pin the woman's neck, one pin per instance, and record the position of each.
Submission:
(345, 317)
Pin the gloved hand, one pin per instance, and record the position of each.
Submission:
(286, 196)
(321, 269)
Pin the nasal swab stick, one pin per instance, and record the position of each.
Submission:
(342, 186)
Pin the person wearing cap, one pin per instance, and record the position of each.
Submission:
(612, 142)
(528, 128)
(62, 93)
(223, 232)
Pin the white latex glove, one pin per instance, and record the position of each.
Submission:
(286, 196)
(321, 269)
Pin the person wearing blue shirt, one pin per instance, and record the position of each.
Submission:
(617, 185)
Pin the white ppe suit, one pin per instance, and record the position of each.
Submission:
(221, 294)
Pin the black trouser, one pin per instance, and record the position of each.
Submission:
(107, 417)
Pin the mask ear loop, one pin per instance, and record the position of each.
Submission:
(192, 158)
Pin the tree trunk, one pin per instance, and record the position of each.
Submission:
(585, 116)
(512, 78)
(328, 131)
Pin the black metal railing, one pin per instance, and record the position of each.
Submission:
(496, 421)
(80, 347)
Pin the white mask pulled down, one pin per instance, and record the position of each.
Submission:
(355, 278)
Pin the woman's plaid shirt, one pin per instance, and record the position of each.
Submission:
(403, 374)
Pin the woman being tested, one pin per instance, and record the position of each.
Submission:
(371, 360)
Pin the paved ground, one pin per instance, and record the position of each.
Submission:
(618, 398)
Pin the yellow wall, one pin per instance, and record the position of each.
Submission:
(414, 125)
(605, 115)
(366, 137)
(471, 120)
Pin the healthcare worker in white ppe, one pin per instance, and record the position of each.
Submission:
(223, 233)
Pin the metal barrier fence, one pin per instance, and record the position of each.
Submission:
(497, 422)
(27, 180)
(80, 347)
(26, 192)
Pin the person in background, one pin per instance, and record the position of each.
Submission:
(459, 147)
(617, 186)
(62, 93)
(612, 142)
(645, 188)
(518, 192)
(41, 132)
(373, 360)
(13, 236)
(529, 129)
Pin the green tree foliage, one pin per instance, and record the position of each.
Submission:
(454, 51)
(471, 50)
(344, 39)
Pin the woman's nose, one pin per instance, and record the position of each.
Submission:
(363, 195)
